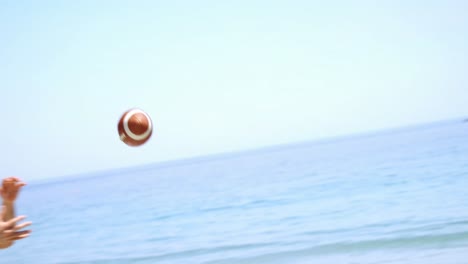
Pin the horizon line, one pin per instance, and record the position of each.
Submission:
(233, 153)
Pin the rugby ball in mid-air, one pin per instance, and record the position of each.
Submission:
(135, 127)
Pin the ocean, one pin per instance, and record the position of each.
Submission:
(395, 196)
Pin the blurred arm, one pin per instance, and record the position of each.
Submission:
(10, 210)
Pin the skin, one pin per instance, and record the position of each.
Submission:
(10, 230)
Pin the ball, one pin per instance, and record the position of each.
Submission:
(135, 127)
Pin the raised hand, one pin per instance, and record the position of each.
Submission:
(10, 189)
(10, 231)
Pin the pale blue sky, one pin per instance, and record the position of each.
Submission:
(218, 76)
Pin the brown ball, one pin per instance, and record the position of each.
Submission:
(135, 127)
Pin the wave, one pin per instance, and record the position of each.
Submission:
(449, 240)
(179, 255)
(227, 208)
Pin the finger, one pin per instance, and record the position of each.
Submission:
(9, 179)
(21, 237)
(18, 235)
(21, 184)
(23, 225)
(13, 221)
(15, 234)
(17, 227)
(10, 236)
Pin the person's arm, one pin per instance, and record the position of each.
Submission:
(9, 232)
(9, 210)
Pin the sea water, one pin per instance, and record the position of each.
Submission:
(397, 196)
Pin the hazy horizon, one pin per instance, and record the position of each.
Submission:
(221, 155)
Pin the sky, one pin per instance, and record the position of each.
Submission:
(218, 76)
